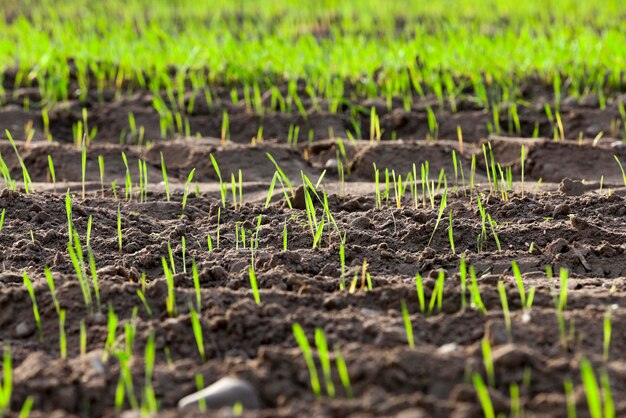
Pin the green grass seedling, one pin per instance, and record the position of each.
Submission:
(31, 292)
(89, 225)
(525, 299)
(225, 129)
(322, 349)
(254, 285)
(196, 285)
(119, 229)
(82, 339)
(165, 179)
(505, 310)
(25, 176)
(463, 279)
(109, 344)
(476, 300)
(270, 191)
(451, 234)
(183, 244)
(199, 387)
(523, 160)
(217, 230)
(570, 398)
(519, 282)
(2, 215)
(562, 303)
(170, 254)
(442, 206)
(488, 362)
(437, 295)
(101, 168)
(285, 180)
(607, 328)
(515, 400)
(128, 184)
(419, 286)
(6, 384)
(186, 192)
(303, 343)
(27, 406)
(342, 260)
(83, 162)
(342, 370)
(621, 169)
(146, 306)
(607, 396)
(53, 293)
(197, 332)
(68, 211)
(407, 324)
(483, 396)
(53, 175)
(219, 176)
(170, 300)
(592, 390)
(209, 243)
(493, 225)
(62, 336)
(94, 278)
(149, 403)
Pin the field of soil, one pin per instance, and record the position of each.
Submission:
(570, 212)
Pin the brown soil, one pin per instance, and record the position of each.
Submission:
(108, 112)
(568, 220)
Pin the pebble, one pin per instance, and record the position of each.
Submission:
(412, 413)
(24, 329)
(447, 348)
(224, 393)
(331, 163)
(617, 144)
(99, 319)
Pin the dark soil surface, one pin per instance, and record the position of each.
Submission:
(109, 111)
(566, 217)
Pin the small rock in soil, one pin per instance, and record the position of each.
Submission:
(24, 329)
(412, 413)
(224, 393)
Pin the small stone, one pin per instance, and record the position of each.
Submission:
(412, 413)
(99, 319)
(226, 392)
(24, 329)
(362, 222)
(331, 163)
(447, 348)
(617, 144)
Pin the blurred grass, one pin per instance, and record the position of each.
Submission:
(386, 48)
